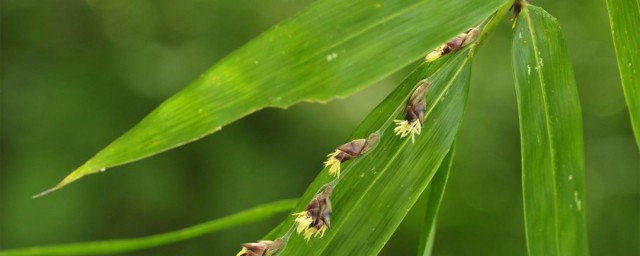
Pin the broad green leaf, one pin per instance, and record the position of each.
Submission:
(255, 214)
(434, 195)
(378, 189)
(332, 49)
(624, 16)
(551, 137)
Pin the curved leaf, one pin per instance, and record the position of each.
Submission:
(330, 50)
(551, 137)
(624, 16)
(377, 190)
(435, 192)
(255, 214)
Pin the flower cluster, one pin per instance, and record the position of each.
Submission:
(347, 151)
(414, 113)
(454, 45)
(315, 219)
(261, 248)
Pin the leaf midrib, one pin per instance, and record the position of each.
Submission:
(549, 127)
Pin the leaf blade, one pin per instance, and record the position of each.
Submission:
(273, 69)
(254, 214)
(435, 193)
(363, 198)
(624, 18)
(551, 137)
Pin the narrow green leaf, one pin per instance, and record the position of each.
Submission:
(132, 244)
(332, 49)
(434, 194)
(378, 189)
(624, 16)
(551, 137)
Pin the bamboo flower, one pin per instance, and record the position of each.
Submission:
(347, 151)
(261, 248)
(315, 219)
(415, 109)
(454, 44)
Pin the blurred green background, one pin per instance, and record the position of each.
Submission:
(77, 74)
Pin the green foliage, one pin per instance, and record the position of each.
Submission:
(378, 189)
(252, 215)
(342, 53)
(434, 194)
(624, 16)
(336, 48)
(551, 137)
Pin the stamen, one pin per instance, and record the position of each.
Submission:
(334, 163)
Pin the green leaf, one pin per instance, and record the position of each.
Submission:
(551, 137)
(624, 16)
(332, 49)
(378, 189)
(434, 192)
(252, 215)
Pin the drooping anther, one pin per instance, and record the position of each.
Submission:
(316, 217)
(261, 248)
(414, 113)
(454, 44)
(349, 150)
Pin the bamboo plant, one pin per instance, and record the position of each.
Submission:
(405, 146)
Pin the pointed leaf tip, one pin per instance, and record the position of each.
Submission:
(73, 176)
(54, 188)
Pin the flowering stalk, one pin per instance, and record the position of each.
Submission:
(454, 45)
(414, 113)
(349, 150)
(261, 248)
(315, 219)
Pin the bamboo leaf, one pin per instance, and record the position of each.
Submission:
(435, 192)
(377, 190)
(551, 137)
(624, 16)
(332, 49)
(252, 215)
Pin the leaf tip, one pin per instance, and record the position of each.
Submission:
(43, 193)
(73, 176)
